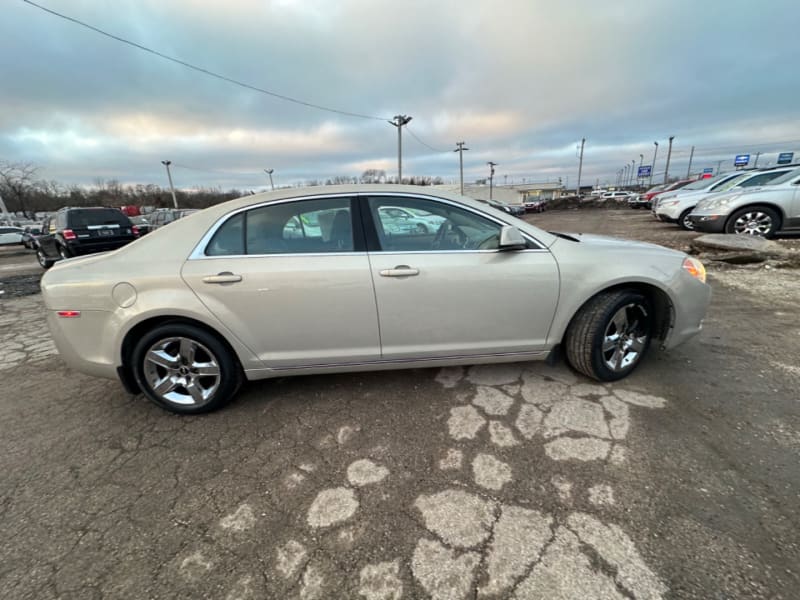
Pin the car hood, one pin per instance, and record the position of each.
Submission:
(590, 240)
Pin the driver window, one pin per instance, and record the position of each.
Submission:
(423, 225)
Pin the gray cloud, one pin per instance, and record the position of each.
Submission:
(521, 81)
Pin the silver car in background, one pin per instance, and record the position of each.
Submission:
(244, 290)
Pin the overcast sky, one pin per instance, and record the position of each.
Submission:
(520, 81)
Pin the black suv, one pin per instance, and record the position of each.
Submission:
(76, 231)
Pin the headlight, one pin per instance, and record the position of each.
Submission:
(714, 203)
(695, 268)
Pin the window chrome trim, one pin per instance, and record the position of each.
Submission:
(198, 253)
(476, 211)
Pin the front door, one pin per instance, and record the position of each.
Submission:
(451, 292)
(291, 283)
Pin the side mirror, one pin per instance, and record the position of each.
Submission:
(511, 239)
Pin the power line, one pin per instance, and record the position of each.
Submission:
(203, 70)
(428, 146)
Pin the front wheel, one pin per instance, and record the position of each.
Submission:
(756, 220)
(684, 222)
(421, 229)
(64, 252)
(610, 334)
(185, 369)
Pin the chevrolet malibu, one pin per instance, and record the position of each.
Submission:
(244, 291)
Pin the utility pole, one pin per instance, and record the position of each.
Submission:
(669, 155)
(719, 166)
(689, 170)
(580, 168)
(167, 163)
(492, 165)
(653, 166)
(755, 164)
(399, 121)
(269, 172)
(460, 151)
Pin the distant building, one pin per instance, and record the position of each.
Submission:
(510, 194)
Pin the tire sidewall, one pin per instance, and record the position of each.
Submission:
(729, 227)
(598, 364)
(230, 372)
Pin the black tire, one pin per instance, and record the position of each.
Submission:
(683, 220)
(44, 262)
(759, 221)
(184, 386)
(64, 252)
(421, 229)
(586, 343)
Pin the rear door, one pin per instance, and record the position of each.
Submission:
(292, 281)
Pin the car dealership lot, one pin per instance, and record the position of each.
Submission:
(680, 481)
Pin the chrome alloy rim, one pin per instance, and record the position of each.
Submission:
(753, 223)
(182, 371)
(625, 337)
(687, 222)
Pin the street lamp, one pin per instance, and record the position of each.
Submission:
(633, 166)
(492, 165)
(460, 151)
(269, 172)
(167, 163)
(653, 166)
(399, 121)
(638, 176)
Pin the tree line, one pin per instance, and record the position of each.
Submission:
(25, 192)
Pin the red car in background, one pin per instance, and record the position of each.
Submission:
(670, 187)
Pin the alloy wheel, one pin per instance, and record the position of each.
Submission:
(625, 337)
(753, 223)
(182, 371)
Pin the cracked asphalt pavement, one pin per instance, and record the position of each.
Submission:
(505, 481)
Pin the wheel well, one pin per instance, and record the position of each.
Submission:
(663, 315)
(133, 336)
(774, 207)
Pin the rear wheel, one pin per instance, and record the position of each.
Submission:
(755, 220)
(44, 262)
(611, 333)
(421, 229)
(64, 252)
(185, 369)
(683, 220)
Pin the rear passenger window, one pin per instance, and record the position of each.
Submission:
(306, 226)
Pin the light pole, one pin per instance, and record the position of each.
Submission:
(269, 172)
(399, 121)
(669, 155)
(638, 176)
(689, 170)
(625, 176)
(460, 151)
(633, 166)
(653, 166)
(167, 163)
(580, 168)
(492, 165)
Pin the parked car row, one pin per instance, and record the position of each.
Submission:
(762, 202)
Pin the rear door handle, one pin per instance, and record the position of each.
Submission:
(224, 277)
(400, 271)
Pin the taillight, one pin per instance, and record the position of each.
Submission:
(135, 230)
(69, 234)
(69, 314)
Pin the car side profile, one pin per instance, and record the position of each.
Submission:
(11, 235)
(237, 292)
(761, 211)
(676, 207)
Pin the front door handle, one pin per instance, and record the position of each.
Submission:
(224, 277)
(400, 271)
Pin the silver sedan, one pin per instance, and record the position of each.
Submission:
(244, 291)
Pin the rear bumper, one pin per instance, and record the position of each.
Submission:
(82, 248)
(84, 342)
(690, 310)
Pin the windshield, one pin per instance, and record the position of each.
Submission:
(724, 187)
(702, 184)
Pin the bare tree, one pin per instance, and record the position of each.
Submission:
(17, 181)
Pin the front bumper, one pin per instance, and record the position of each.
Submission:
(690, 306)
(708, 223)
